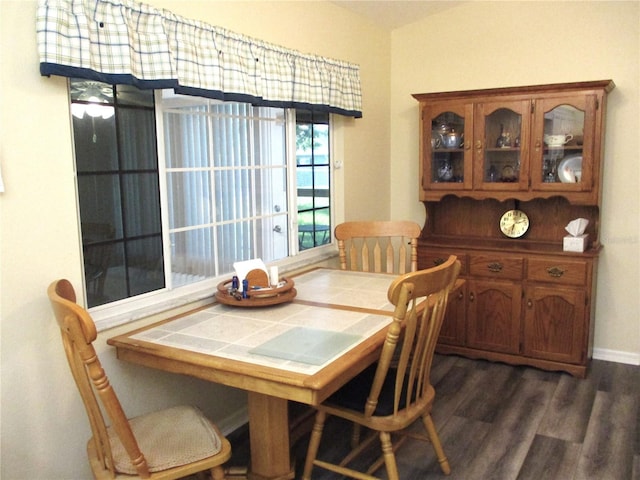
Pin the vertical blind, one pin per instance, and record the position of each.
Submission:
(126, 42)
(226, 173)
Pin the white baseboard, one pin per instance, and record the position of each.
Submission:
(234, 421)
(616, 356)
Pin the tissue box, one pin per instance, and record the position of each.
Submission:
(575, 244)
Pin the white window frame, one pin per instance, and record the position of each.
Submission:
(190, 296)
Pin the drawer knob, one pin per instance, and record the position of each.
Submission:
(438, 261)
(495, 267)
(555, 272)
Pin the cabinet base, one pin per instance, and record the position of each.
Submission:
(579, 371)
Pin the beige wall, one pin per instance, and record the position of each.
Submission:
(43, 427)
(501, 44)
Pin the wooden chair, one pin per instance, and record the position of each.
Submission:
(167, 444)
(388, 400)
(379, 246)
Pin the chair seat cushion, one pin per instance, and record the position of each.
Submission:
(353, 395)
(168, 438)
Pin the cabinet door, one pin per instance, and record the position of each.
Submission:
(494, 315)
(453, 331)
(447, 129)
(555, 324)
(563, 144)
(501, 145)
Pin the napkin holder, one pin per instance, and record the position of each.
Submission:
(575, 244)
(577, 240)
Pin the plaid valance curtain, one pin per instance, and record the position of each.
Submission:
(125, 42)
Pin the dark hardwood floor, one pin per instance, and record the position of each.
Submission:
(502, 422)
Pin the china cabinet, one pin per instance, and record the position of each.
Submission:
(502, 172)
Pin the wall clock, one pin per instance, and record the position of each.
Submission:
(514, 223)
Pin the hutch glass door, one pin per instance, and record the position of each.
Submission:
(447, 164)
(501, 146)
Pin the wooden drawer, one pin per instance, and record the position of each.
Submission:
(560, 271)
(496, 266)
(433, 257)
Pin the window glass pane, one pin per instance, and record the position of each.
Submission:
(192, 256)
(321, 186)
(95, 143)
(145, 268)
(239, 190)
(100, 256)
(132, 96)
(322, 219)
(105, 272)
(118, 191)
(320, 144)
(271, 191)
(232, 136)
(186, 138)
(141, 204)
(313, 179)
(272, 235)
(234, 244)
(98, 194)
(270, 135)
(90, 92)
(189, 198)
(233, 191)
(137, 132)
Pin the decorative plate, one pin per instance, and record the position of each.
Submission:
(570, 169)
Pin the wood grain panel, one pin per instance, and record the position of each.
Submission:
(559, 271)
(496, 266)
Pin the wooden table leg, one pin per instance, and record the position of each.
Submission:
(269, 438)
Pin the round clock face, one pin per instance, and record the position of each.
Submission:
(514, 223)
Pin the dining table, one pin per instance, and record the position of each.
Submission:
(302, 350)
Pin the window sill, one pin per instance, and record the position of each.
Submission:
(168, 303)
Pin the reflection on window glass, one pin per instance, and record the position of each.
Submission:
(118, 190)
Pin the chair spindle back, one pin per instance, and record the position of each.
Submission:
(78, 332)
(378, 246)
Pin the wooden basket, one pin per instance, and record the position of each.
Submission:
(257, 296)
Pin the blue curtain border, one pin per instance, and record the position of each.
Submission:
(47, 69)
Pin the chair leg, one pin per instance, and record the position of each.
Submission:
(437, 446)
(314, 444)
(389, 456)
(217, 473)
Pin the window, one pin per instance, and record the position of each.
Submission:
(118, 191)
(173, 191)
(226, 174)
(313, 179)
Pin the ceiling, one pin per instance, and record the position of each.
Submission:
(396, 13)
